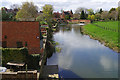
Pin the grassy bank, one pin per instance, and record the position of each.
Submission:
(105, 32)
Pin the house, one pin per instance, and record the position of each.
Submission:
(66, 13)
(56, 15)
(13, 11)
(22, 34)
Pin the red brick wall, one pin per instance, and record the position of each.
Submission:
(24, 32)
(88, 21)
(76, 21)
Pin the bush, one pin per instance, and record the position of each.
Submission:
(19, 55)
(43, 23)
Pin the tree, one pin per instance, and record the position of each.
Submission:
(6, 16)
(78, 12)
(48, 12)
(112, 9)
(57, 15)
(40, 18)
(118, 9)
(82, 16)
(80, 9)
(91, 17)
(101, 11)
(67, 17)
(14, 6)
(27, 11)
(104, 15)
(0, 15)
(76, 16)
(90, 11)
(113, 15)
(97, 16)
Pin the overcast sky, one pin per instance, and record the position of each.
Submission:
(66, 4)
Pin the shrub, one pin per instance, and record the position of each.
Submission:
(19, 55)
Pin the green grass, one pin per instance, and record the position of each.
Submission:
(109, 24)
(108, 36)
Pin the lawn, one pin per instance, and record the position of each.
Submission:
(109, 36)
(108, 24)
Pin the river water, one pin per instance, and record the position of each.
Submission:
(82, 57)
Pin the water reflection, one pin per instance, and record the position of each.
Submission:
(85, 57)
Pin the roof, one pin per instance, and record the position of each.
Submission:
(66, 13)
(15, 64)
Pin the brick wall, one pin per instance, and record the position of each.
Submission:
(22, 32)
(78, 21)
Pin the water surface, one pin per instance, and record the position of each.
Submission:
(82, 57)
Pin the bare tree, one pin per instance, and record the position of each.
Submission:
(78, 12)
(80, 9)
(14, 6)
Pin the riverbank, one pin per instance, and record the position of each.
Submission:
(48, 52)
(107, 37)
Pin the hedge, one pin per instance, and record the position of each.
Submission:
(19, 55)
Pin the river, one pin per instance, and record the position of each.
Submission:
(82, 57)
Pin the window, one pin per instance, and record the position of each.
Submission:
(5, 37)
(0, 43)
(26, 44)
(19, 44)
(4, 44)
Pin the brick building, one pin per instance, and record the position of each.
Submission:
(56, 15)
(21, 34)
(66, 13)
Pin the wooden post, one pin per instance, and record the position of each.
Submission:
(26, 71)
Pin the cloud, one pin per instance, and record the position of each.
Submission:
(108, 64)
(67, 4)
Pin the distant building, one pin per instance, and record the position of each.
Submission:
(13, 11)
(66, 13)
(56, 15)
(22, 34)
